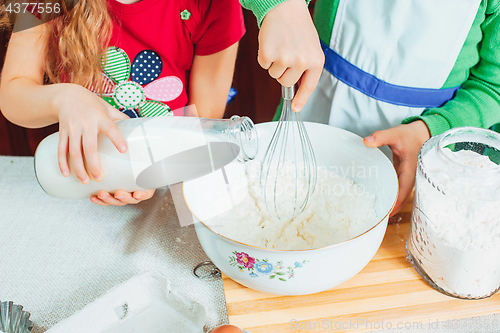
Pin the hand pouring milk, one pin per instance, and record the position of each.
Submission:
(161, 151)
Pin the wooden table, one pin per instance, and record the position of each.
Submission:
(388, 293)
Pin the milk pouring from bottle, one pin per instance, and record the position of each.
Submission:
(161, 151)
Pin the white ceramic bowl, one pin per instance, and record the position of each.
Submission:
(303, 271)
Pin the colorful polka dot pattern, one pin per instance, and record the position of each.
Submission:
(129, 95)
(147, 67)
(165, 89)
(111, 101)
(108, 85)
(116, 64)
(123, 84)
(154, 109)
(131, 113)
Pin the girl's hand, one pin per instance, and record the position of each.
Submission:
(121, 198)
(290, 50)
(82, 116)
(405, 142)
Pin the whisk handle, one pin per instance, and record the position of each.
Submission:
(287, 92)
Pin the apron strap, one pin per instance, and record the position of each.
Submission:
(380, 90)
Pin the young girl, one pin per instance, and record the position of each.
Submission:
(429, 64)
(140, 57)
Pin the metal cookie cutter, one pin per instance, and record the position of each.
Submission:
(206, 270)
(13, 319)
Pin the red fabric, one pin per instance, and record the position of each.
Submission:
(156, 25)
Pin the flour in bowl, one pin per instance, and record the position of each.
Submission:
(338, 210)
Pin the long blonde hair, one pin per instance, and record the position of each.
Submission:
(75, 41)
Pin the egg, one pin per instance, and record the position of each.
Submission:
(227, 329)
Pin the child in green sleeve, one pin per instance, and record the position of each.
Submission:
(396, 72)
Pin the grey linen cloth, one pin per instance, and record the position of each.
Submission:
(59, 255)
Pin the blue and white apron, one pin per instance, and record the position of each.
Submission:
(389, 59)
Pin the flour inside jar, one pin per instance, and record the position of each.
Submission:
(455, 232)
(468, 215)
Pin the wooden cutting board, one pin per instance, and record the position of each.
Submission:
(387, 293)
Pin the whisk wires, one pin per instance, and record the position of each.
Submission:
(287, 192)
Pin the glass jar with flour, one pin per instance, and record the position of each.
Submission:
(454, 241)
(161, 151)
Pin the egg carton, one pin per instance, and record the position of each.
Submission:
(13, 319)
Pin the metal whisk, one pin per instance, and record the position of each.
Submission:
(289, 172)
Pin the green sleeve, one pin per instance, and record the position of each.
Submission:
(477, 102)
(261, 7)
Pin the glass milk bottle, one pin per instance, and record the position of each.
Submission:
(454, 241)
(161, 151)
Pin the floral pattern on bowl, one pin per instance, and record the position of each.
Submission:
(258, 268)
